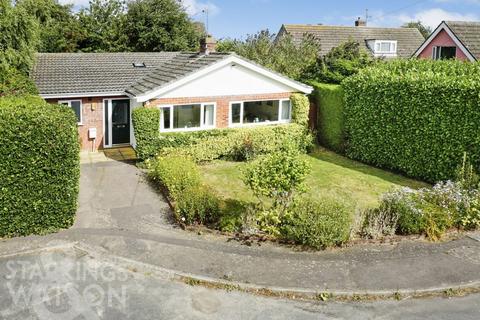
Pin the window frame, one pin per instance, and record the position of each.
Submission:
(202, 116)
(69, 103)
(241, 124)
(437, 52)
(380, 52)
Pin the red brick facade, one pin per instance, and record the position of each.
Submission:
(93, 110)
(92, 117)
(222, 102)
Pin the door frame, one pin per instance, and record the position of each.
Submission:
(109, 114)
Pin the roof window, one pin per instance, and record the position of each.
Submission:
(139, 65)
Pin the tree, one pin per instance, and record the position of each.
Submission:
(424, 30)
(103, 22)
(59, 28)
(160, 25)
(18, 38)
(341, 62)
(280, 54)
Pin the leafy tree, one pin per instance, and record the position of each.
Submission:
(280, 54)
(341, 62)
(16, 83)
(103, 22)
(159, 25)
(18, 38)
(59, 29)
(424, 30)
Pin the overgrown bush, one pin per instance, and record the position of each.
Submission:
(330, 116)
(429, 211)
(179, 178)
(318, 224)
(415, 116)
(39, 166)
(341, 62)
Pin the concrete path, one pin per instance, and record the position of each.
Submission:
(66, 283)
(122, 216)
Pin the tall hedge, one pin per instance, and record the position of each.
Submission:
(39, 166)
(417, 116)
(146, 124)
(329, 99)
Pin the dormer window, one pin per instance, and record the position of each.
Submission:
(384, 48)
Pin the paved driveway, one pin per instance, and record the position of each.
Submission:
(116, 195)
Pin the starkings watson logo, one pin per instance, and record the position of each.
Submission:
(58, 285)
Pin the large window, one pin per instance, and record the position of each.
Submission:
(260, 112)
(444, 53)
(187, 117)
(76, 105)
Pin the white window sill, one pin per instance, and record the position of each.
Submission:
(187, 129)
(246, 125)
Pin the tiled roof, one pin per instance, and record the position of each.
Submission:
(174, 69)
(468, 33)
(408, 39)
(77, 73)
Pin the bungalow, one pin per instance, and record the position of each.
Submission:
(452, 40)
(380, 42)
(194, 91)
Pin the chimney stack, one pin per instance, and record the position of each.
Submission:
(360, 22)
(207, 45)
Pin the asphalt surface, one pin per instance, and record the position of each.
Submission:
(66, 283)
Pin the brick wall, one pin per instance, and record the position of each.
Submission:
(223, 103)
(92, 117)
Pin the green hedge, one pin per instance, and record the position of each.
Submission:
(179, 179)
(146, 124)
(329, 100)
(417, 116)
(205, 145)
(39, 166)
(245, 143)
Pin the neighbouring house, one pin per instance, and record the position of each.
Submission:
(194, 91)
(452, 40)
(380, 42)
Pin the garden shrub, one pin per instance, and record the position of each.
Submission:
(429, 211)
(414, 116)
(175, 173)
(146, 124)
(197, 204)
(39, 166)
(330, 116)
(15, 83)
(193, 202)
(318, 224)
(300, 109)
(277, 176)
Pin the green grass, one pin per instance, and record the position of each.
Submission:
(333, 176)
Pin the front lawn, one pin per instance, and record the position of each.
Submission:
(333, 176)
